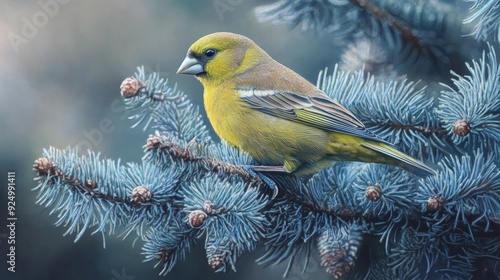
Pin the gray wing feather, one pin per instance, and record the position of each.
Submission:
(322, 112)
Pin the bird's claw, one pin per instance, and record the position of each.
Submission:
(253, 171)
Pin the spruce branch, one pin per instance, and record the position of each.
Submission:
(88, 192)
(485, 14)
(401, 112)
(151, 98)
(51, 175)
(384, 16)
(415, 37)
(471, 110)
(167, 244)
(189, 188)
(161, 144)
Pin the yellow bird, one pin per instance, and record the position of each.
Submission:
(284, 122)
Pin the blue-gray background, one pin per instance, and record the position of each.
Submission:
(62, 79)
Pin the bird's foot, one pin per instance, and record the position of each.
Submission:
(256, 171)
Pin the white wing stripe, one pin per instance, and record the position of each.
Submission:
(253, 92)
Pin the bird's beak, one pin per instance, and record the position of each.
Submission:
(190, 66)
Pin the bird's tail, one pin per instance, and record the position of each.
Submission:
(400, 159)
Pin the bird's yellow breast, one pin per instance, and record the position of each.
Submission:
(225, 113)
(269, 140)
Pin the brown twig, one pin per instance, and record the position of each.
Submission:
(157, 142)
(47, 167)
(419, 128)
(385, 16)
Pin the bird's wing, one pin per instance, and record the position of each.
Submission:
(316, 110)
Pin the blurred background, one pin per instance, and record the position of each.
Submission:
(61, 65)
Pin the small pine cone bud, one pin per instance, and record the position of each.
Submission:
(217, 261)
(91, 184)
(462, 127)
(329, 259)
(208, 207)
(434, 203)
(153, 142)
(197, 217)
(338, 248)
(141, 194)
(43, 165)
(336, 263)
(130, 86)
(373, 193)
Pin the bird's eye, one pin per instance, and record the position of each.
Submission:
(210, 53)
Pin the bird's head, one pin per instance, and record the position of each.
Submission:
(220, 56)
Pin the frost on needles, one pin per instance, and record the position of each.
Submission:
(362, 221)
